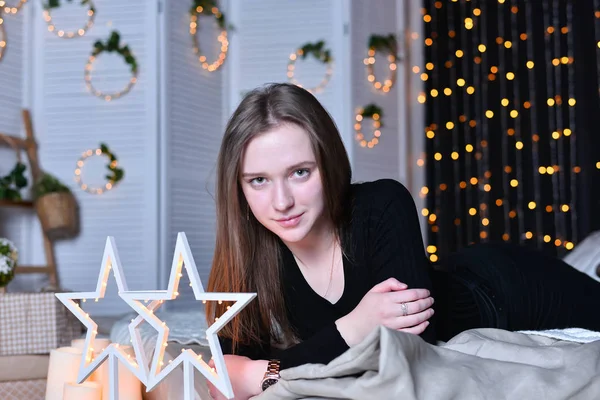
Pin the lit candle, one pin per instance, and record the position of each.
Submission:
(83, 391)
(62, 368)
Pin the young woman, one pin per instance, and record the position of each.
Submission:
(330, 260)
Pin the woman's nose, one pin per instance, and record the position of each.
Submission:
(282, 197)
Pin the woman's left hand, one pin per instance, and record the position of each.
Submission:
(245, 376)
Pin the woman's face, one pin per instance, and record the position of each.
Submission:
(282, 183)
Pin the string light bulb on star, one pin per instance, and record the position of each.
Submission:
(386, 45)
(208, 7)
(321, 54)
(115, 173)
(375, 113)
(111, 45)
(8, 9)
(191, 361)
(91, 13)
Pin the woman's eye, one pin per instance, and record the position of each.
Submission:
(258, 181)
(300, 173)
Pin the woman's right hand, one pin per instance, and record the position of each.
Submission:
(382, 306)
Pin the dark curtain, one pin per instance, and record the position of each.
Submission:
(512, 120)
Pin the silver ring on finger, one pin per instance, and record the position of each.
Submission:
(404, 309)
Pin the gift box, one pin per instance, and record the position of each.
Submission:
(35, 323)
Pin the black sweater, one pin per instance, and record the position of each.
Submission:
(384, 241)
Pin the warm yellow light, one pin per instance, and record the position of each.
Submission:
(424, 76)
(438, 156)
(474, 180)
(449, 125)
(433, 258)
(424, 190)
(547, 238)
(504, 102)
(425, 212)
(514, 114)
(429, 66)
(528, 235)
(430, 134)
(460, 82)
(508, 44)
(598, 165)
(428, 42)
(476, 12)
(510, 76)
(487, 187)
(431, 249)
(434, 92)
(489, 113)
(565, 208)
(519, 145)
(555, 135)
(427, 18)
(514, 183)
(485, 222)
(542, 170)
(481, 48)
(567, 132)
(421, 98)
(447, 91)
(416, 69)
(459, 53)
(531, 205)
(550, 102)
(454, 155)
(469, 148)
(569, 245)
(470, 90)
(572, 102)
(432, 217)
(549, 170)
(472, 211)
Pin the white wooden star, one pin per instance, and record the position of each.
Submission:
(110, 260)
(190, 360)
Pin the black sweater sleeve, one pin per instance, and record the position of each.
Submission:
(397, 249)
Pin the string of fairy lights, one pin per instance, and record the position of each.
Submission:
(495, 167)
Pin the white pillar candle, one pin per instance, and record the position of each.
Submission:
(83, 391)
(130, 387)
(63, 367)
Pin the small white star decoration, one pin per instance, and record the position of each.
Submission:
(152, 374)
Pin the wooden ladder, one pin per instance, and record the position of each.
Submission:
(29, 146)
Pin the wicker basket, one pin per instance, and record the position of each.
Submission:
(58, 213)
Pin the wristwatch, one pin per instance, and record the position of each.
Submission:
(271, 376)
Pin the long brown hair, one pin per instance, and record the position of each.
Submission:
(247, 256)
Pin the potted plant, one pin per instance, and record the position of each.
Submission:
(8, 262)
(56, 207)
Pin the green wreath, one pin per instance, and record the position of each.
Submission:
(110, 46)
(116, 173)
(374, 112)
(320, 53)
(385, 45)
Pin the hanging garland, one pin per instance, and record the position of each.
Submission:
(113, 177)
(376, 114)
(385, 45)
(208, 7)
(111, 45)
(71, 34)
(2, 37)
(12, 9)
(321, 54)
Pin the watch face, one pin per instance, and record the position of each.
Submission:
(268, 382)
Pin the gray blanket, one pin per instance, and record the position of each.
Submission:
(477, 364)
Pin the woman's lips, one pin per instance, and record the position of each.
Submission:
(290, 222)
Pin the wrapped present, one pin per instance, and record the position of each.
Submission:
(35, 323)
